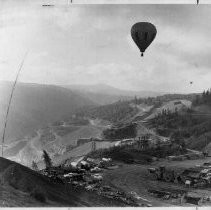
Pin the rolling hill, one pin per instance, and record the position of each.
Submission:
(34, 106)
(56, 117)
(171, 106)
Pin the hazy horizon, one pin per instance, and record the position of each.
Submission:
(91, 44)
(99, 84)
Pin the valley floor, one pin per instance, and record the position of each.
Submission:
(135, 179)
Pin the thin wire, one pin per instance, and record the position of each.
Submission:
(10, 100)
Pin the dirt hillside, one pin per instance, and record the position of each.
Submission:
(38, 190)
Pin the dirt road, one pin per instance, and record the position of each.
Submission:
(135, 178)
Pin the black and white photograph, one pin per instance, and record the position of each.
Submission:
(105, 105)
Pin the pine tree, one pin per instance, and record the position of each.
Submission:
(135, 100)
(176, 111)
(47, 160)
(34, 166)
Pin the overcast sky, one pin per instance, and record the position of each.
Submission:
(89, 44)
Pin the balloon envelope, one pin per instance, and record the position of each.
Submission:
(143, 33)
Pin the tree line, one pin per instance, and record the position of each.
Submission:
(127, 131)
(204, 98)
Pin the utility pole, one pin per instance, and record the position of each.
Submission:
(205, 151)
(93, 146)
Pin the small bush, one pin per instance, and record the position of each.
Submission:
(38, 194)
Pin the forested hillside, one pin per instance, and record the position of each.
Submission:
(157, 101)
(190, 126)
(205, 98)
(114, 113)
(126, 131)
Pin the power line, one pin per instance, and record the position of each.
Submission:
(10, 100)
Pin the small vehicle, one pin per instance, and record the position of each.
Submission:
(97, 177)
(96, 169)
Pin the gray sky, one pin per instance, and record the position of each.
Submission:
(89, 44)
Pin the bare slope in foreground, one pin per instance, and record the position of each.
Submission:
(18, 182)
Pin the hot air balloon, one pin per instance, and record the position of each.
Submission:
(143, 33)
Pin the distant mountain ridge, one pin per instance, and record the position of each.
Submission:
(104, 94)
